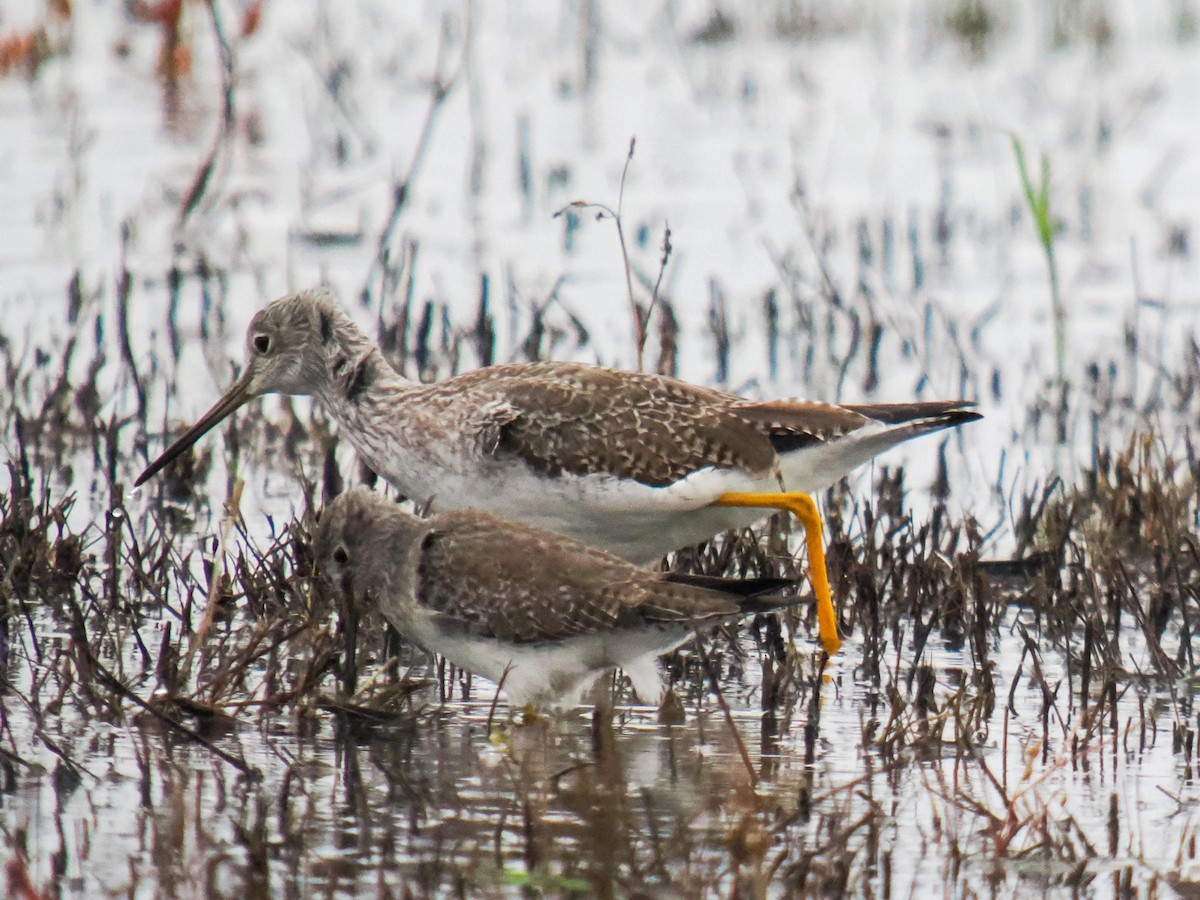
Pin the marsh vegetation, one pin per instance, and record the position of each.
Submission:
(183, 714)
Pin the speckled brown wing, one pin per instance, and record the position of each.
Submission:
(505, 580)
(583, 420)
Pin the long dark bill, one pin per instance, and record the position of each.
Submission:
(236, 396)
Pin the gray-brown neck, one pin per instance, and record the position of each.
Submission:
(396, 538)
(352, 365)
(363, 393)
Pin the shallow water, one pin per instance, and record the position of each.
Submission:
(458, 797)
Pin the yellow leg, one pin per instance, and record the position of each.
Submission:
(803, 507)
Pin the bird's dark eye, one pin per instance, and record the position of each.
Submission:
(262, 343)
(340, 556)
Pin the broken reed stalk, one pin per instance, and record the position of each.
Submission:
(232, 514)
(93, 666)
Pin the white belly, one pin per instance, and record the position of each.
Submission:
(636, 522)
(550, 673)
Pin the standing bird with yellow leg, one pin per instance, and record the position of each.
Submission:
(635, 464)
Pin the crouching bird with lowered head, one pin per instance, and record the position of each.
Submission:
(542, 614)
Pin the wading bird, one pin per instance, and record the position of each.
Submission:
(633, 463)
(538, 612)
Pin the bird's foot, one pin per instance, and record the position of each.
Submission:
(531, 716)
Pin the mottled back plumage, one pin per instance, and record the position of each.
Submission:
(567, 418)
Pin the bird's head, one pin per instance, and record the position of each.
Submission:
(291, 346)
(367, 544)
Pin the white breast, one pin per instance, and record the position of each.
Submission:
(550, 673)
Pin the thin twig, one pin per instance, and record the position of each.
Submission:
(737, 735)
(662, 268)
(115, 684)
(641, 317)
(232, 514)
(203, 178)
(639, 320)
(496, 696)
(402, 190)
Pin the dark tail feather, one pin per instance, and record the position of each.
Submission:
(752, 595)
(792, 425)
(936, 413)
(858, 447)
(739, 587)
(771, 603)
